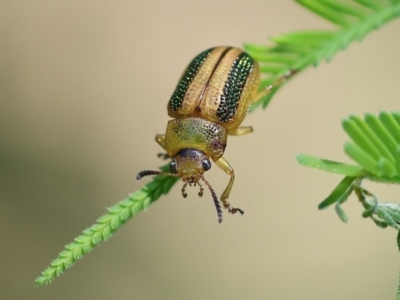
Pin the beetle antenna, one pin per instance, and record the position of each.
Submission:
(215, 198)
(142, 174)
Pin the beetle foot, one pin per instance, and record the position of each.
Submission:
(232, 210)
(235, 210)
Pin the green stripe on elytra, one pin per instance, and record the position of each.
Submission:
(233, 88)
(179, 94)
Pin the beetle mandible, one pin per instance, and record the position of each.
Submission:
(209, 103)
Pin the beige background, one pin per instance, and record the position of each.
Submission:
(83, 90)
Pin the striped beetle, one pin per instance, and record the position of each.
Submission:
(209, 103)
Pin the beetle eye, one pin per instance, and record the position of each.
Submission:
(172, 167)
(206, 164)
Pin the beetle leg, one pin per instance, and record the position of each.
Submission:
(278, 82)
(201, 190)
(240, 130)
(225, 166)
(163, 156)
(184, 194)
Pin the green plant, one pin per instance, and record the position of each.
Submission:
(293, 51)
(375, 147)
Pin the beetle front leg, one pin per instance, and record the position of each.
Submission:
(240, 130)
(225, 166)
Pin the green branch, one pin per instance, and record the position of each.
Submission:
(106, 225)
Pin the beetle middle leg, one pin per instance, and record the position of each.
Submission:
(225, 166)
(240, 130)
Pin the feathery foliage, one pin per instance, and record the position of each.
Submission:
(292, 51)
(107, 224)
(299, 50)
(375, 147)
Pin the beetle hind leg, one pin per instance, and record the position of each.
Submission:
(277, 83)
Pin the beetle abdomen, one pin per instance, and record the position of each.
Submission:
(218, 85)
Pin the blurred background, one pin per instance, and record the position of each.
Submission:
(83, 90)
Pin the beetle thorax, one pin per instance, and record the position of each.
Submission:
(195, 133)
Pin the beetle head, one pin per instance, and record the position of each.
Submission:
(190, 165)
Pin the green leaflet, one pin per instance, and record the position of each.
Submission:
(339, 195)
(330, 165)
(107, 224)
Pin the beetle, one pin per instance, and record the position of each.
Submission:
(209, 103)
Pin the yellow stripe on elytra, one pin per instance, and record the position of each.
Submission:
(195, 90)
(215, 88)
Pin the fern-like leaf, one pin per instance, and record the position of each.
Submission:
(299, 50)
(375, 146)
(106, 225)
